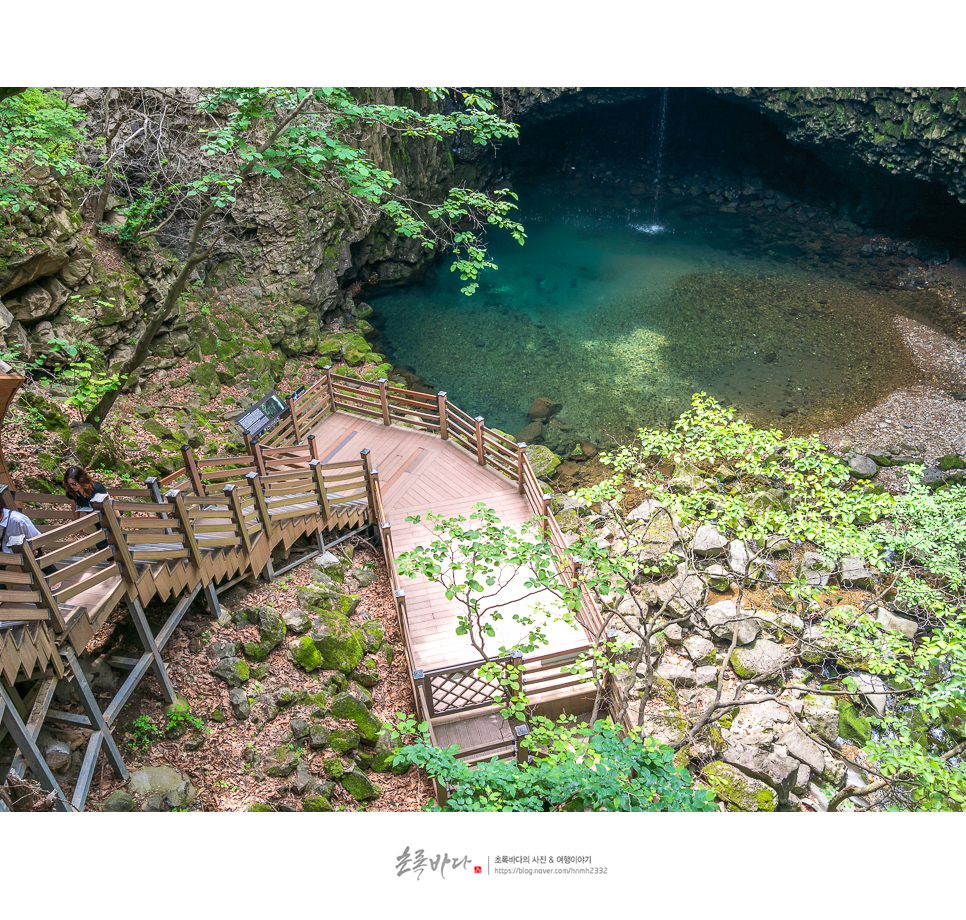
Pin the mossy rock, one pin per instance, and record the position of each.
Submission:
(366, 673)
(319, 736)
(271, 631)
(333, 768)
(318, 700)
(742, 791)
(205, 377)
(349, 372)
(329, 347)
(176, 716)
(119, 801)
(259, 807)
(664, 690)
(54, 419)
(347, 706)
(359, 786)
(282, 761)
(234, 671)
(346, 604)
(303, 653)
(853, 725)
(384, 754)
(222, 329)
(355, 350)
(339, 645)
(316, 803)
(343, 740)
(375, 633)
(87, 439)
(543, 460)
(918, 727)
(954, 719)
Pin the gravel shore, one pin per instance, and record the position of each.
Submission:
(929, 416)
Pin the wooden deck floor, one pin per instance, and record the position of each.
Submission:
(419, 472)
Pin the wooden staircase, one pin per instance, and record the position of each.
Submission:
(229, 521)
(215, 522)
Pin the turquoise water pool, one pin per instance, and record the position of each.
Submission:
(621, 315)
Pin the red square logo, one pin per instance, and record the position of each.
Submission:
(477, 870)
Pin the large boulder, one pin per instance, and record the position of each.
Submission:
(303, 653)
(175, 790)
(700, 650)
(815, 569)
(740, 557)
(709, 541)
(853, 573)
(778, 772)
(340, 647)
(233, 671)
(822, 716)
(872, 689)
(683, 594)
(853, 726)
(761, 722)
(803, 748)
(897, 624)
(862, 467)
(734, 786)
(359, 786)
(763, 658)
(347, 706)
(543, 460)
(724, 620)
(271, 632)
(281, 761)
(543, 408)
(676, 675)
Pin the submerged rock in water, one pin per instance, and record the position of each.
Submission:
(529, 434)
(543, 408)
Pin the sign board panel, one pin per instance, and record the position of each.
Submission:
(263, 415)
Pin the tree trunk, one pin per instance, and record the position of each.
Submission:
(109, 137)
(143, 348)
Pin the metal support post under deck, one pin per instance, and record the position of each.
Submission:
(101, 736)
(10, 718)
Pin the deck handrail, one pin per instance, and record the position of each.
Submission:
(236, 503)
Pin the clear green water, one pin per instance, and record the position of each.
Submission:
(622, 324)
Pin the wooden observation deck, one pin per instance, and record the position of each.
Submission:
(346, 456)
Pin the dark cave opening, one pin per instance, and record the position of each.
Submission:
(722, 148)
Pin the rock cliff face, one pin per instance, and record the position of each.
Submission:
(918, 133)
(53, 291)
(297, 244)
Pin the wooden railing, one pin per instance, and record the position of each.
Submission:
(460, 688)
(135, 528)
(228, 501)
